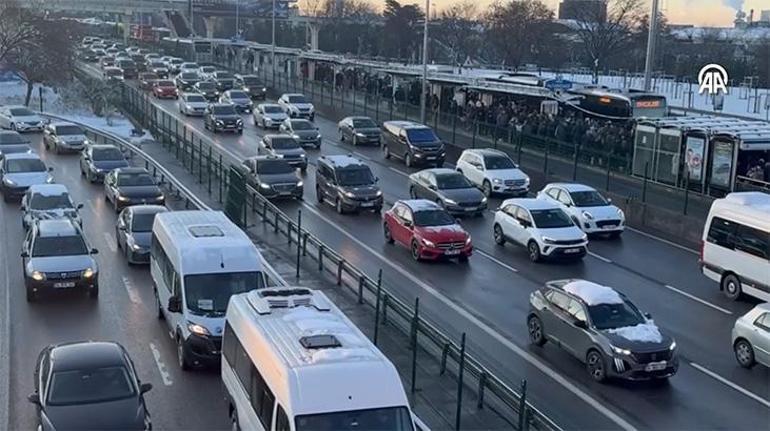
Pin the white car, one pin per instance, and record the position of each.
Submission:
(206, 72)
(493, 172)
(540, 226)
(48, 201)
(269, 115)
(189, 67)
(297, 106)
(591, 211)
(20, 119)
(751, 337)
(192, 104)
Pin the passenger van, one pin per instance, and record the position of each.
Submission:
(293, 361)
(198, 259)
(735, 247)
(414, 143)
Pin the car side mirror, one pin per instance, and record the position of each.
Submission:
(407, 224)
(50, 169)
(145, 387)
(94, 251)
(79, 206)
(122, 227)
(24, 254)
(174, 304)
(648, 316)
(376, 179)
(580, 324)
(432, 187)
(23, 208)
(34, 398)
(524, 223)
(609, 200)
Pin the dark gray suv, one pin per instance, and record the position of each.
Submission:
(602, 328)
(348, 184)
(273, 177)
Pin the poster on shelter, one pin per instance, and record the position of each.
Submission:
(693, 157)
(722, 164)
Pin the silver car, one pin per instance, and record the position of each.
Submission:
(751, 337)
(269, 115)
(303, 131)
(48, 201)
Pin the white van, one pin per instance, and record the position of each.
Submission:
(735, 248)
(293, 361)
(198, 259)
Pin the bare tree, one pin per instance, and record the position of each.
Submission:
(515, 28)
(15, 27)
(458, 29)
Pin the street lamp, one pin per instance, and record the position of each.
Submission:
(423, 95)
(272, 53)
(651, 37)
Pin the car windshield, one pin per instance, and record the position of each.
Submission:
(273, 110)
(273, 167)
(421, 136)
(11, 138)
(498, 162)
(389, 418)
(189, 76)
(223, 75)
(158, 64)
(351, 177)
(611, 316)
(68, 130)
(250, 81)
(88, 386)
(21, 112)
(103, 154)
(176, 61)
(47, 246)
(208, 294)
(435, 217)
(364, 123)
(49, 202)
(224, 110)
(297, 99)
(13, 166)
(206, 86)
(551, 218)
(142, 222)
(588, 198)
(452, 181)
(207, 69)
(238, 95)
(302, 125)
(196, 98)
(165, 84)
(149, 76)
(189, 66)
(132, 179)
(284, 143)
(114, 72)
(126, 63)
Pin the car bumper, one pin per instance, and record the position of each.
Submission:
(367, 139)
(63, 285)
(577, 251)
(141, 256)
(272, 193)
(228, 128)
(363, 204)
(24, 127)
(434, 253)
(502, 189)
(140, 201)
(306, 115)
(15, 192)
(166, 95)
(71, 148)
(243, 109)
(272, 123)
(626, 369)
(592, 227)
(98, 176)
(428, 159)
(257, 96)
(204, 351)
(310, 142)
(297, 163)
(463, 210)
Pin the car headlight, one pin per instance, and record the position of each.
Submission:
(349, 194)
(264, 186)
(37, 276)
(88, 273)
(188, 107)
(360, 135)
(264, 89)
(220, 123)
(295, 136)
(49, 180)
(450, 201)
(160, 198)
(587, 215)
(9, 182)
(483, 199)
(239, 122)
(548, 240)
(318, 136)
(312, 109)
(428, 243)
(497, 181)
(468, 240)
(619, 351)
(86, 141)
(526, 181)
(135, 246)
(197, 329)
(621, 214)
(672, 346)
(379, 193)
(123, 198)
(300, 184)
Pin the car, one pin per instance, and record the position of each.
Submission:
(19, 171)
(113, 74)
(174, 64)
(166, 59)
(223, 79)
(303, 131)
(106, 62)
(111, 52)
(414, 143)
(20, 119)
(222, 117)
(89, 385)
(359, 130)
(97, 160)
(269, 115)
(540, 226)
(283, 146)
(206, 71)
(55, 256)
(133, 232)
(87, 55)
(12, 142)
(152, 56)
(48, 201)
(273, 177)
(189, 67)
(347, 183)
(449, 189)
(751, 337)
(186, 80)
(192, 104)
(493, 172)
(147, 80)
(64, 137)
(128, 67)
(132, 186)
(427, 230)
(603, 329)
(158, 67)
(237, 98)
(98, 52)
(297, 106)
(251, 85)
(165, 89)
(591, 211)
(208, 90)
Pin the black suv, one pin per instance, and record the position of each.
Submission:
(186, 80)
(222, 117)
(348, 184)
(252, 86)
(415, 143)
(273, 177)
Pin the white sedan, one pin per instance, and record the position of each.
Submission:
(192, 104)
(591, 211)
(20, 119)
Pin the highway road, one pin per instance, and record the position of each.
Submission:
(488, 299)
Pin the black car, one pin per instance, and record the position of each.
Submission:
(97, 160)
(132, 186)
(273, 177)
(448, 188)
(252, 86)
(208, 89)
(348, 184)
(283, 146)
(89, 385)
(128, 67)
(133, 232)
(140, 62)
(186, 80)
(223, 79)
(415, 143)
(222, 117)
(359, 130)
(12, 142)
(238, 98)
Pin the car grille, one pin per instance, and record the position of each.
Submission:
(515, 183)
(364, 198)
(568, 242)
(602, 223)
(647, 357)
(284, 187)
(33, 123)
(304, 109)
(451, 245)
(430, 149)
(62, 275)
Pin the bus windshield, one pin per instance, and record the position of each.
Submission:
(208, 294)
(389, 418)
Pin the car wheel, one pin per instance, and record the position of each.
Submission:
(234, 426)
(319, 195)
(386, 151)
(388, 235)
(56, 149)
(13, 126)
(497, 231)
(534, 251)
(355, 141)
(731, 286)
(536, 332)
(342, 136)
(486, 188)
(415, 248)
(595, 366)
(127, 253)
(181, 354)
(744, 353)
(117, 239)
(338, 206)
(408, 160)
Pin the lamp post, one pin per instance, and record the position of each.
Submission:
(237, 19)
(272, 54)
(423, 95)
(651, 38)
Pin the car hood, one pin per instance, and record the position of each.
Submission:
(362, 191)
(306, 133)
(571, 233)
(14, 148)
(143, 239)
(604, 212)
(73, 138)
(507, 174)
(226, 117)
(26, 179)
(126, 414)
(470, 194)
(448, 233)
(278, 178)
(28, 118)
(201, 105)
(139, 191)
(109, 164)
(371, 131)
(242, 101)
(302, 105)
(62, 263)
(641, 338)
(278, 116)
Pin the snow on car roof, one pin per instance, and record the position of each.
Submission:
(48, 189)
(592, 293)
(530, 203)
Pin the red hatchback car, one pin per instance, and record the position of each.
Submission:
(427, 229)
(164, 89)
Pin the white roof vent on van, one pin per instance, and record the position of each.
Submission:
(205, 231)
(754, 199)
(266, 299)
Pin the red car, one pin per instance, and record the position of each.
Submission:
(164, 89)
(427, 229)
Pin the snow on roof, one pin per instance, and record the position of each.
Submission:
(644, 332)
(592, 293)
(48, 189)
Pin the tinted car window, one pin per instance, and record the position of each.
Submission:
(238, 95)
(433, 218)
(47, 202)
(102, 154)
(210, 293)
(721, 232)
(135, 180)
(11, 138)
(271, 167)
(24, 165)
(165, 84)
(452, 181)
(302, 125)
(189, 76)
(752, 241)
(142, 222)
(22, 112)
(354, 177)
(195, 98)
(297, 99)
(284, 144)
(418, 136)
(206, 86)
(588, 198)
(223, 110)
(364, 123)
(69, 130)
(59, 246)
(247, 80)
(223, 75)
(553, 218)
(498, 162)
(273, 110)
(90, 386)
(610, 316)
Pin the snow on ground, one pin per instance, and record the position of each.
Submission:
(643, 332)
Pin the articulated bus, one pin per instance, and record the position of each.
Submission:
(198, 50)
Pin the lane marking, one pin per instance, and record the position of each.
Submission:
(496, 260)
(665, 241)
(398, 171)
(600, 257)
(110, 242)
(133, 295)
(695, 298)
(735, 386)
(361, 156)
(532, 360)
(164, 374)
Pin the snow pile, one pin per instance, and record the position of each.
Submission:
(592, 293)
(644, 332)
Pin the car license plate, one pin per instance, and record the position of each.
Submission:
(63, 285)
(285, 193)
(452, 252)
(430, 158)
(655, 366)
(609, 226)
(470, 210)
(367, 204)
(572, 250)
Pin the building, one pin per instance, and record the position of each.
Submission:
(583, 10)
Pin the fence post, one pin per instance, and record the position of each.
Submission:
(321, 257)
(644, 184)
(221, 179)
(475, 131)
(415, 329)
(340, 265)
(385, 301)
(482, 386)
(545, 161)
(200, 161)
(607, 183)
(361, 281)
(454, 128)
(522, 403)
(444, 354)
(208, 168)
(377, 307)
(299, 235)
(686, 191)
(460, 373)
(520, 140)
(575, 165)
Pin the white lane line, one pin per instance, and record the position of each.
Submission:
(735, 386)
(164, 374)
(496, 260)
(133, 295)
(695, 298)
(361, 156)
(110, 242)
(398, 171)
(532, 360)
(600, 257)
(5, 353)
(665, 241)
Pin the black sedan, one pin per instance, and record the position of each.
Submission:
(222, 117)
(207, 89)
(186, 80)
(359, 130)
(252, 86)
(97, 160)
(273, 177)
(132, 186)
(89, 386)
(449, 189)
(133, 232)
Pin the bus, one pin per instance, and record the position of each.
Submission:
(615, 104)
(197, 50)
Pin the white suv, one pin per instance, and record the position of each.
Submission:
(591, 211)
(297, 106)
(542, 227)
(493, 172)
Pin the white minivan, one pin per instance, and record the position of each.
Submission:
(735, 247)
(198, 260)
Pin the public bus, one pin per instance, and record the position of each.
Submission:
(618, 104)
(198, 50)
